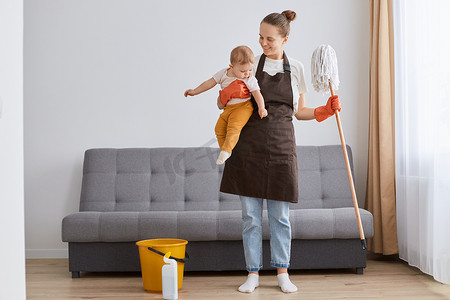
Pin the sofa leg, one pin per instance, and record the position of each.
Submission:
(76, 274)
(359, 271)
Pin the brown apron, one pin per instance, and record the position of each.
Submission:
(264, 162)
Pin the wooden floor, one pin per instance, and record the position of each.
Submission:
(382, 279)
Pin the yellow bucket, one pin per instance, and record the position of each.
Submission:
(151, 254)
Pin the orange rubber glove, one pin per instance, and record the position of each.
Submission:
(236, 89)
(322, 113)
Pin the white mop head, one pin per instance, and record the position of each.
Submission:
(324, 68)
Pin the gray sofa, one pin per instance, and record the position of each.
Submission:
(129, 195)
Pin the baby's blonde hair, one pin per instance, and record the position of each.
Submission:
(242, 55)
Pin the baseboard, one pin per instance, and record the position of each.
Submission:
(46, 253)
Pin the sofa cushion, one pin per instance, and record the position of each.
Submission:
(157, 179)
(188, 179)
(337, 223)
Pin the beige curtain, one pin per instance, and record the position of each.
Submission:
(380, 197)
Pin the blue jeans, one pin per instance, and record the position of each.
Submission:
(280, 232)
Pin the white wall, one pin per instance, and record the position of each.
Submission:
(110, 73)
(12, 254)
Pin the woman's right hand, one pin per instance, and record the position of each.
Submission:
(236, 89)
(219, 104)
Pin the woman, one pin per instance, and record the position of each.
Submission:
(264, 161)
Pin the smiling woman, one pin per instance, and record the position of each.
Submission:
(274, 32)
(264, 162)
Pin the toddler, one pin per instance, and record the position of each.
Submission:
(238, 85)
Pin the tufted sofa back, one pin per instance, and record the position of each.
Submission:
(187, 179)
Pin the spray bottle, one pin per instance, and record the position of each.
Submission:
(169, 278)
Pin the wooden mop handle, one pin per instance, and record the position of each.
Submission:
(349, 173)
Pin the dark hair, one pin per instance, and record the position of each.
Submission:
(242, 55)
(281, 21)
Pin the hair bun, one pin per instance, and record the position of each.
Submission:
(290, 15)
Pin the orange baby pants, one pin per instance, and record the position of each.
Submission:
(230, 124)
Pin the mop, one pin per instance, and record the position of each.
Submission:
(324, 76)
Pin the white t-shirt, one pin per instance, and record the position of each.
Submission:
(224, 80)
(274, 66)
